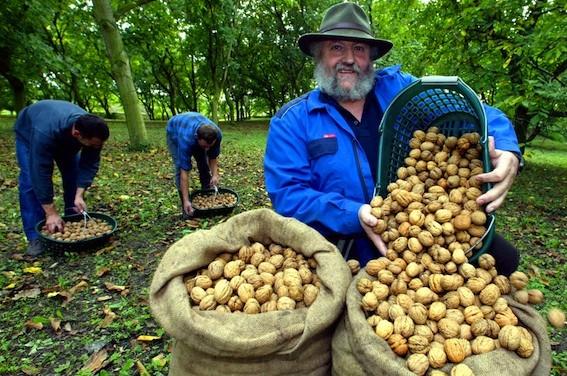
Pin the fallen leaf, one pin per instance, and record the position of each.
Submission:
(32, 270)
(9, 274)
(33, 325)
(159, 360)
(141, 369)
(102, 271)
(144, 338)
(112, 287)
(55, 324)
(103, 298)
(31, 371)
(109, 317)
(10, 286)
(30, 293)
(67, 327)
(96, 361)
(78, 287)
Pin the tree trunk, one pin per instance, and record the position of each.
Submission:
(19, 91)
(122, 74)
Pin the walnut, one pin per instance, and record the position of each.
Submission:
(252, 306)
(263, 294)
(461, 370)
(467, 270)
(535, 296)
(466, 296)
(500, 305)
(455, 314)
(424, 331)
(480, 328)
(418, 313)
(296, 292)
(245, 292)
(503, 284)
(223, 291)
(383, 309)
(506, 317)
(418, 363)
(486, 261)
(526, 348)
(369, 302)
(473, 314)
(235, 304)
(482, 344)
(556, 318)
(364, 285)
(449, 328)
(203, 282)
(404, 325)
(375, 266)
(437, 357)
(465, 332)
(384, 329)
(310, 293)
(509, 337)
(437, 311)
(521, 296)
(490, 294)
(451, 300)
(354, 266)
(269, 306)
(425, 296)
(519, 280)
(451, 282)
(398, 344)
(208, 303)
(418, 344)
(456, 349)
(197, 294)
(285, 303)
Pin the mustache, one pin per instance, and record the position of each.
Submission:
(352, 66)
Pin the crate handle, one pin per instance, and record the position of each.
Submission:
(440, 80)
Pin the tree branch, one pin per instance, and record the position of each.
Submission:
(128, 7)
(552, 75)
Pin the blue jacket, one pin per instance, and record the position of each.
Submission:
(45, 128)
(317, 171)
(181, 131)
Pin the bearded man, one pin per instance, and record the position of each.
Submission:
(322, 150)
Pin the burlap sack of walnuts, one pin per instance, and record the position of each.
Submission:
(358, 351)
(294, 342)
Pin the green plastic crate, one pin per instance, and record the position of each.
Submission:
(445, 102)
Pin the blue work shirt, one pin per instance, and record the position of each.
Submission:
(182, 130)
(316, 169)
(45, 128)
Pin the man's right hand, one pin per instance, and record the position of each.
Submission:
(54, 223)
(188, 208)
(367, 221)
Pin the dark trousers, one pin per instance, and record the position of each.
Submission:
(506, 255)
(30, 207)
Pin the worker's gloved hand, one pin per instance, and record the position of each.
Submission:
(368, 221)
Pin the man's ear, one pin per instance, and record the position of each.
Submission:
(75, 132)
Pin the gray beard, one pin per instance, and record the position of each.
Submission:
(328, 83)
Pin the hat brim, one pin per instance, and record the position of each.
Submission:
(382, 46)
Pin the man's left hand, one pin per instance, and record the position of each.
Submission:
(80, 204)
(505, 165)
(368, 221)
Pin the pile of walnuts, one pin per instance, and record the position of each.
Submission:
(80, 230)
(255, 279)
(424, 298)
(221, 200)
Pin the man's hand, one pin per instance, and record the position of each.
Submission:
(215, 180)
(54, 223)
(80, 205)
(187, 208)
(368, 221)
(505, 165)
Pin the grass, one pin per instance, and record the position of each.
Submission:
(68, 296)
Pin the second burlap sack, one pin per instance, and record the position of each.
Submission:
(294, 342)
(358, 351)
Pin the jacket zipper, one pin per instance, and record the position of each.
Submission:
(359, 169)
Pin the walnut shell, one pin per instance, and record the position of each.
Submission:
(473, 314)
(503, 284)
(354, 266)
(384, 329)
(449, 328)
(461, 370)
(506, 317)
(203, 281)
(509, 337)
(482, 344)
(404, 325)
(418, 344)
(418, 363)
(310, 293)
(519, 280)
(556, 318)
(235, 304)
(208, 303)
(252, 306)
(437, 311)
(285, 303)
(535, 296)
(521, 296)
(197, 294)
(398, 344)
(269, 306)
(263, 294)
(490, 294)
(223, 291)
(526, 348)
(456, 349)
(245, 292)
(437, 357)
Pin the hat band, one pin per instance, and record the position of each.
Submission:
(345, 25)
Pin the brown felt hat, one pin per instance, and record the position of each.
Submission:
(346, 21)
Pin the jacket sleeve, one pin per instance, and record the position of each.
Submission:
(88, 166)
(289, 182)
(500, 127)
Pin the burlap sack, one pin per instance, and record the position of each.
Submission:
(275, 343)
(357, 350)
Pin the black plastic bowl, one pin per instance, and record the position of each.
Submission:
(197, 212)
(79, 245)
